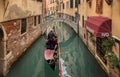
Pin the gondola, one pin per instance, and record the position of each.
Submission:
(51, 54)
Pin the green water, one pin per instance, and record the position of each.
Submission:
(78, 62)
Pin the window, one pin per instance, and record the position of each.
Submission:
(23, 25)
(77, 2)
(1, 35)
(52, 8)
(82, 21)
(35, 21)
(84, 36)
(39, 19)
(63, 6)
(99, 6)
(50, 1)
(79, 16)
(89, 3)
(67, 4)
(56, 8)
(71, 3)
(39, 0)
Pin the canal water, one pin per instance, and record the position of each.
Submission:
(75, 58)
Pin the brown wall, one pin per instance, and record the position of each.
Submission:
(16, 43)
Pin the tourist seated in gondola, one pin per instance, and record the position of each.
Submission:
(47, 44)
(55, 43)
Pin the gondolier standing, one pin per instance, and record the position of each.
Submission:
(51, 37)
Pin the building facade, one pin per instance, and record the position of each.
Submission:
(99, 20)
(20, 26)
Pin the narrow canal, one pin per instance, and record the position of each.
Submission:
(75, 58)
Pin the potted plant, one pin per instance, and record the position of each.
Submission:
(107, 45)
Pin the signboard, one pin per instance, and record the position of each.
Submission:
(105, 34)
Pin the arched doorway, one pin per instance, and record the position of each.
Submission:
(1, 43)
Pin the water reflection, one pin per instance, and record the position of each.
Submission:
(76, 58)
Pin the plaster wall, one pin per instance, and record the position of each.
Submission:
(116, 18)
(1, 9)
(69, 11)
(21, 9)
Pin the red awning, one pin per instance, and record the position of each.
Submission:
(99, 26)
(48, 54)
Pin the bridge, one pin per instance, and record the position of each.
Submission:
(70, 20)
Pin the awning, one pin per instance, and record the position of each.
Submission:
(99, 26)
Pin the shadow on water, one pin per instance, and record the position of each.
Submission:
(77, 60)
(31, 64)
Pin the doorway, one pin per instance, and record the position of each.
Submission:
(1, 43)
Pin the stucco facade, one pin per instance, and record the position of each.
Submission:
(14, 9)
(116, 18)
(67, 9)
(52, 6)
(62, 6)
(103, 9)
(1, 10)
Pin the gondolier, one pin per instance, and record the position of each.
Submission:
(51, 37)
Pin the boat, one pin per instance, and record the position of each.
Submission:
(51, 54)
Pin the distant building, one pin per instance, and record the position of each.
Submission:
(52, 7)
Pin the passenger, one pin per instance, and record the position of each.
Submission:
(47, 44)
(55, 43)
